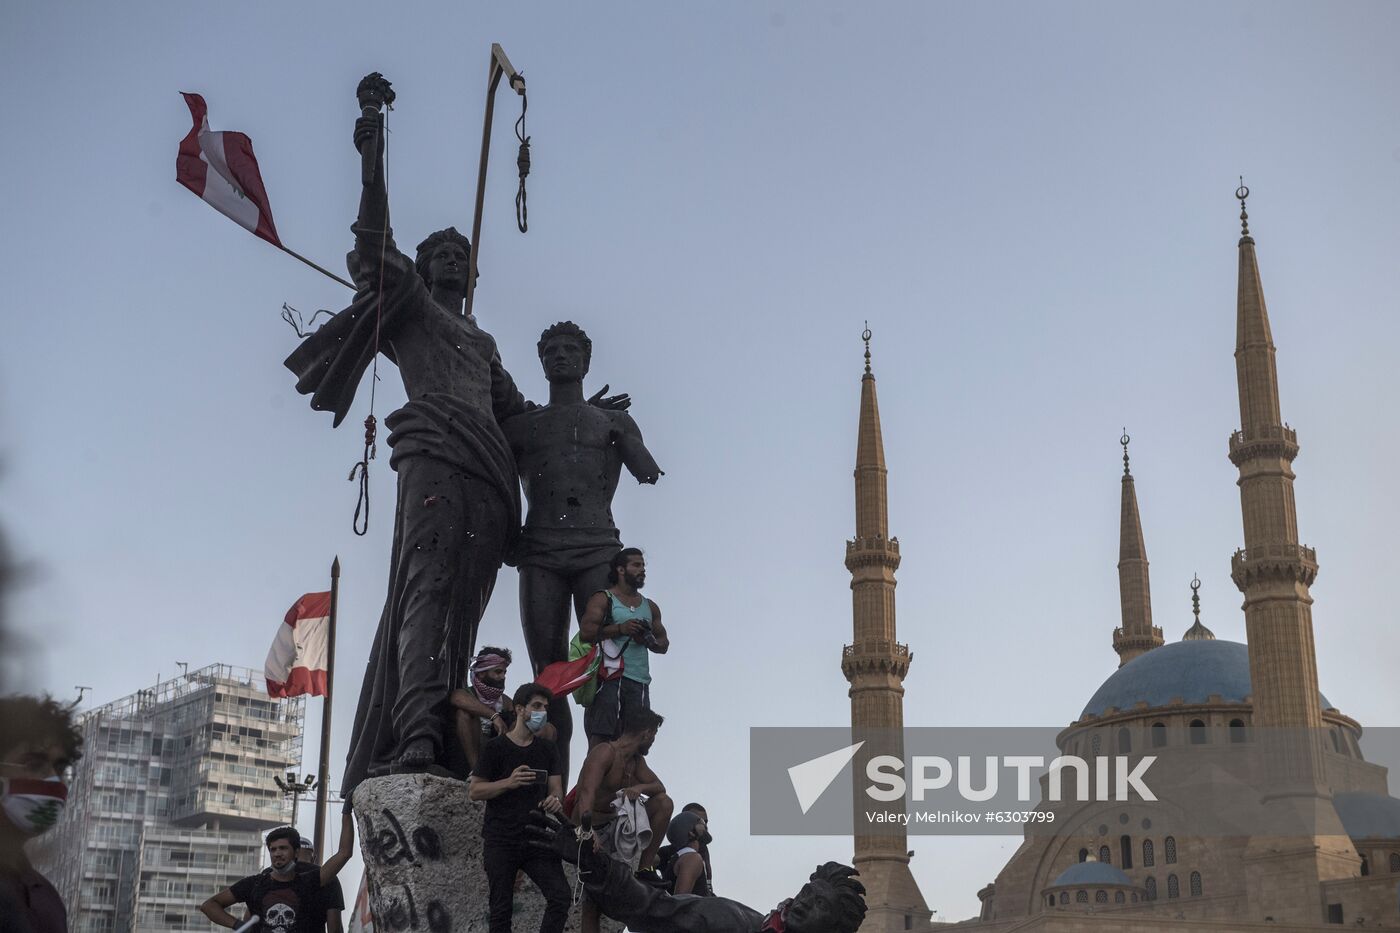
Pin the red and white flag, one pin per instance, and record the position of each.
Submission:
(296, 664)
(221, 169)
(361, 919)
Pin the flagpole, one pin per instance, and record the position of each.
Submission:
(500, 66)
(325, 272)
(324, 775)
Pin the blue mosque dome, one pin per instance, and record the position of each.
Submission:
(1192, 670)
(1368, 816)
(1091, 874)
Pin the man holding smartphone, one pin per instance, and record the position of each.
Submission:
(517, 773)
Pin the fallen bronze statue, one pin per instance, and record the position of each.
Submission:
(831, 901)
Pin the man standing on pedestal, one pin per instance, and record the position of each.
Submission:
(516, 774)
(627, 627)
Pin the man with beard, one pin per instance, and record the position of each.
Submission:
(616, 771)
(38, 743)
(570, 456)
(627, 628)
(286, 896)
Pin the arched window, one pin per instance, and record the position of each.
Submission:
(1118, 897)
(1049, 900)
(1151, 885)
(1171, 849)
(1064, 897)
(1198, 732)
(1135, 897)
(1096, 744)
(1336, 742)
(1083, 855)
(1125, 741)
(1100, 897)
(1195, 884)
(1237, 733)
(1173, 886)
(1159, 734)
(1125, 846)
(1365, 866)
(1395, 861)
(1149, 858)
(1104, 854)
(1081, 897)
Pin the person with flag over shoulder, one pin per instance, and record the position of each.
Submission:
(627, 628)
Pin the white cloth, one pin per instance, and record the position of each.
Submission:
(630, 830)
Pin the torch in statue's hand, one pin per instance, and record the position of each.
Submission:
(373, 93)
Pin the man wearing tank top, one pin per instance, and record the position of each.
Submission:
(627, 628)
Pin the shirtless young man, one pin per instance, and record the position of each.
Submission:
(620, 765)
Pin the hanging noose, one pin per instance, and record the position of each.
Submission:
(522, 163)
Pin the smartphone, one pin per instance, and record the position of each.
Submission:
(541, 775)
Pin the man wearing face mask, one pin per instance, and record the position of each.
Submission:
(38, 742)
(516, 774)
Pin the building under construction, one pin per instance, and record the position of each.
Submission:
(170, 801)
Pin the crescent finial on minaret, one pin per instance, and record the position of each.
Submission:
(1242, 193)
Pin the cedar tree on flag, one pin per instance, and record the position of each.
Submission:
(296, 664)
(221, 169)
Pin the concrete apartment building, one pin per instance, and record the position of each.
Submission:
(171, 799)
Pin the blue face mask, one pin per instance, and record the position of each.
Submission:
(536, 719)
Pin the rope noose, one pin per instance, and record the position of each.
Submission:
(522, 163)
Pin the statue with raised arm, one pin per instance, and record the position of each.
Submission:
(458, 497)
(570, 456)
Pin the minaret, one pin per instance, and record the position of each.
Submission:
(875, 665)
(1137, 635)
(1274, 571)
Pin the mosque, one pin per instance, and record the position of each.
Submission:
(1196, 704)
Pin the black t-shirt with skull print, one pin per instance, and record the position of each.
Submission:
(284, 906)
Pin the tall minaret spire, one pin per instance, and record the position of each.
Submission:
(1274, 571)
(1137, 635)
(875, 664)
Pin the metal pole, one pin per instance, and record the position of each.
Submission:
(500, 65)
(323, 777)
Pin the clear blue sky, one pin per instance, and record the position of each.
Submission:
(1031, 203)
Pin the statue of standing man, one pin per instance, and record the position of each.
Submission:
(458, 498)
(570, 456)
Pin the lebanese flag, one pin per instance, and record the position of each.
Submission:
(564, 677)
(296, 664)
(361, 918)
(221, 169)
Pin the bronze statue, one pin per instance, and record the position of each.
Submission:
(458, 496)
(831, 901)
(570, 455)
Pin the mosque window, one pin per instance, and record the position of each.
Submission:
(1081, 897)
(1171, 849)
(1195, 884)
(1159, 734)
(1237, 733)
(1125, 846)
(1198, 732)
(1096, 744)
(1151, 885)
(1100, 897)
(1118, 897)
(1049, 900)
(1104, 855)
(1395, 861)
(1148, 856)
(1365, 866)
(1173, 886)
(1064, 897)
(1134, 898)
(1083, 855)
(1336, 742)
(1125, 741)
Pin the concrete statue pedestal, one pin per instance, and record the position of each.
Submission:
(420, 838)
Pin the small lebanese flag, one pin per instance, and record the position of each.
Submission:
(221, 169)
(361, 918)
(296, 664)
